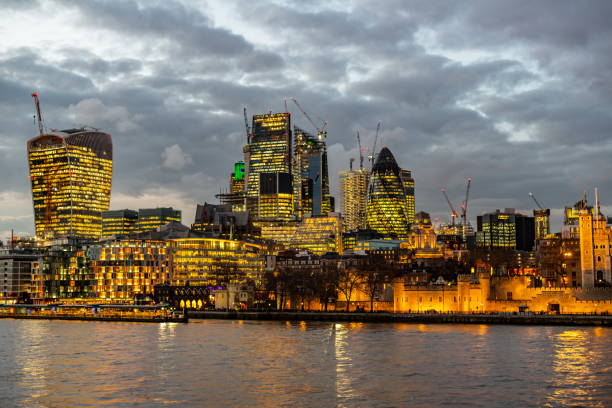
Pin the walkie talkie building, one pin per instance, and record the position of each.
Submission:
(71, 174)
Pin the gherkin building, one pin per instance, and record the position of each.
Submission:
(387, 208)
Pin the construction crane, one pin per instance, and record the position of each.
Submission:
(246, 125)
(351, 160)
(536, 201)
(454, 214)
(320, 130)
(41, 124)
(373, 155)
(464, 206)
(360, 150)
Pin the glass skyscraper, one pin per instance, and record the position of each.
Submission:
(310, 174)
(387, 207)
(269, 152)
(71, 174)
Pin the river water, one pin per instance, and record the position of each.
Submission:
(219, 363)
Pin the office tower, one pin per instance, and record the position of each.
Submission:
(237, 178)
(275, 201)
(71, 173)
(319, 234)
(387, 207)
(408, 181)
(119, 222)
(542, 223)
(150, 219)
(507, 229)
(269, 151)
(310, 174)
(236, 195)
(354, 192)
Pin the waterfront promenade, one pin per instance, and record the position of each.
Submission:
(501, 318)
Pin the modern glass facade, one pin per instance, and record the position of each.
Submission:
(319, 234)
(268, 151)
(354, 191)
(71, 174)
(119, 222)
(505, 230)
(212, 262)
(408, 182)
(542, 223)
(150, 219)
(310, 174)
(387, 207)
(126, 268)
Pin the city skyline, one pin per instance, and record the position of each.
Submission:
(526, 116)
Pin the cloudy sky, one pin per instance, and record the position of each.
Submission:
(515, 94)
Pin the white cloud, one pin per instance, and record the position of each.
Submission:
(93, 111)
(175, 158)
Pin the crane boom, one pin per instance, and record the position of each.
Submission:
(464, 207)
(360, 150)
(41, 126)
(306, 115)
(536, 201)
(246, 125)
(452, 208)
(375, 140)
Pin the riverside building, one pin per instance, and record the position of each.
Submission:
(70, 175)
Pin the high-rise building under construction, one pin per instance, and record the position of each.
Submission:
(310, 174)
(268, 159)
(71, 175)
(354, 192)
(387, 207)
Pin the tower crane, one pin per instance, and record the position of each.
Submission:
(373, 155)
(536, 201)
(41, 124)
(360, 151)
(452, 208)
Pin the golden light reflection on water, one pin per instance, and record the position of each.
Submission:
(573, 377)
(344, 364)
(34, 363)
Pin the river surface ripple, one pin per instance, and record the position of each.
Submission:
(222, 363)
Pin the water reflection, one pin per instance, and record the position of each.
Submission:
(573, 378)
(344, 365)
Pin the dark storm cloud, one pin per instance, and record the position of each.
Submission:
(515, 95)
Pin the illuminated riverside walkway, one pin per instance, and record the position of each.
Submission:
(114, 313)
(501, 318)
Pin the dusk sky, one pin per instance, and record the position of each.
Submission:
(515, 94)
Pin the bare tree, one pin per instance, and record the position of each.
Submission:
(348, 281)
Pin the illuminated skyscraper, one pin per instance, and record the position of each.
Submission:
(319, 234)
(387, 207)
(269, 152)
(71, 174)
(354, 191)
(408, 182)
(237, 178)
(310, 174)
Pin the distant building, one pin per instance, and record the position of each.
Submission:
(150, 219)
(542, 223)
(408, 181)
(559, 261)
(268, 152)
(310, 174)
(319, 234)
(16, 273)
(354, 193)
(507, 229)
(71, 174)
(387, 208)
(119, 222)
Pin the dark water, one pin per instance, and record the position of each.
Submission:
(271, 364)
